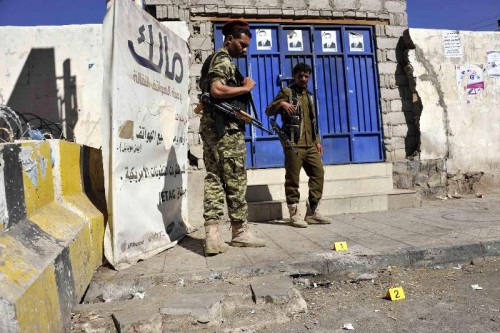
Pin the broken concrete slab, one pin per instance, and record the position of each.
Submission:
(203, 307)
(271, 289)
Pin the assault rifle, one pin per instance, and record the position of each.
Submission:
(229, 110)
(282, 135)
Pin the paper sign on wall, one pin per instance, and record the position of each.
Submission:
(144, 134)
(452, 45)
(493, 63)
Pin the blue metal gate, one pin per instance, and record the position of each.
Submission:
(344, 82)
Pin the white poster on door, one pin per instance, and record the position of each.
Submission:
(295, 41)
(329, 41)
(356, 42)
(144, 134)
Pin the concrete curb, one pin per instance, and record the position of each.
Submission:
(52, 241)
(340, 264)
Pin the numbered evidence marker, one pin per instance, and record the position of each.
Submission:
(340, 246)
(396, 294)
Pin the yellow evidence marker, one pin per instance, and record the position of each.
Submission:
(396, 294)
(340, 246)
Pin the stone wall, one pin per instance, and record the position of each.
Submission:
(388, 16)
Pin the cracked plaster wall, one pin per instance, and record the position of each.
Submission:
(461, 130)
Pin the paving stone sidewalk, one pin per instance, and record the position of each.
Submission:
(441, 231)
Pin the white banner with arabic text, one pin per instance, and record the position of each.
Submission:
(144, 134)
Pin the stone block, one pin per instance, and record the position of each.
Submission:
(288, 12)
(201, 43)
(387, 67)
(224, 10)
(211, 9)
(204, 2)
(296, 4)
(387, 131)
(360, 14)
(345, 4)
(197, 9)
(395, 6)
(262, 3)
(370, 5)
(400, 167)
(301, 13)
(391, 55)
(394, 118)
(398, 20)
(313, 13)
(319, 4)
(325, 13)
(394, 31)
(387, 43)
(263, 11)
(396, 105)
(336, 14)
(379, 30)
(390, 94)
(350, 13)
(250, 11)
(275, 12)
(237, 10)
(398, 154)
(400, 130)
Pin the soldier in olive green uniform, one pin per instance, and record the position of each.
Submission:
(224, 151)
(296, 106)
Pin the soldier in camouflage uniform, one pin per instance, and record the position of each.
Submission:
(224, 151)
(296, 106)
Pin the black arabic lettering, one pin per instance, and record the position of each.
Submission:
(148, 62)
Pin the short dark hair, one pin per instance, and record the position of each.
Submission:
(237, 32)
(301, 67)
(236, 28)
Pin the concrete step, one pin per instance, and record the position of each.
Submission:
(332, 187)
(332, 172)
(351, 179)
(338, 204)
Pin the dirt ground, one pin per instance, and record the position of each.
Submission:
(438, 299)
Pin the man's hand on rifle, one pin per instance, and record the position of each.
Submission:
(290, 109)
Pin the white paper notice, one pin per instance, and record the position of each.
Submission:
(452, 45)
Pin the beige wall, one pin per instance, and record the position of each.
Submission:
(462, 129)
(56, 73)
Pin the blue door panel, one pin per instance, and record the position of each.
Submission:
(340, 148)
(365, 148)
(344, 82)
(269, 153)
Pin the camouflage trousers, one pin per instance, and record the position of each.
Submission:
(226, 174)
(310, 160)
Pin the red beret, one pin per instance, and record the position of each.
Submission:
(234, 24)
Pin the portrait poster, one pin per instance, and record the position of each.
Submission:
(356, 42)
(264, 39)
(295, 41)
(493, 67)
(329, 41)
(144, 127)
